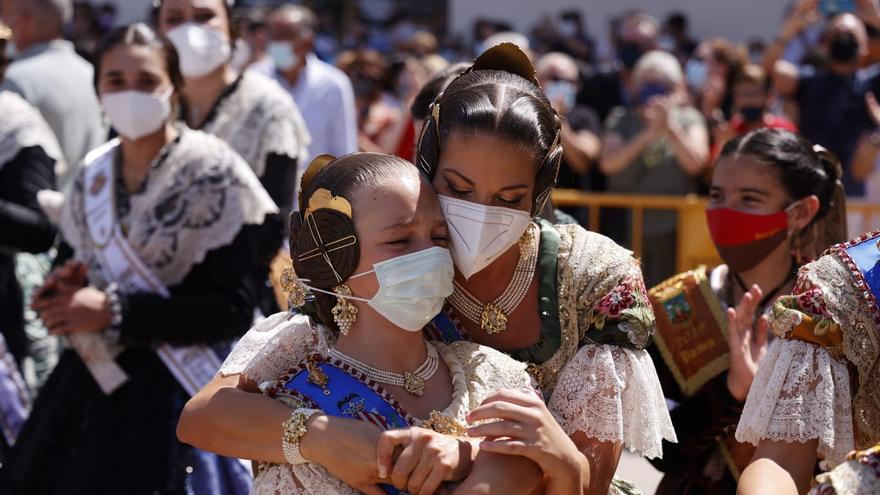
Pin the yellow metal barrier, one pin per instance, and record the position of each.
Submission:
(694, 245)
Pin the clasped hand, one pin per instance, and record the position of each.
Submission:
(66, 306)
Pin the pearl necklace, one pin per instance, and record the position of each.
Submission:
(492, 316)
(411, 381)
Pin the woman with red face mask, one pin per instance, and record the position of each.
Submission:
(776, 203)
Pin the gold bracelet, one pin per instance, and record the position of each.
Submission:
(292, 431)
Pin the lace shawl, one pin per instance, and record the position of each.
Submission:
(260, 118)
(21, 127)
(196, 201)
(802, 389)
(275, 345)
(611, 393)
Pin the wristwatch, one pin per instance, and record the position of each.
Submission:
(292, 431)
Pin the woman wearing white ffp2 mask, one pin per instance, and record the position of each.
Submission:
(138, 101)
(151, 222)
(249, 111)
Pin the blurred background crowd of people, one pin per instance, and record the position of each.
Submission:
(645, 110)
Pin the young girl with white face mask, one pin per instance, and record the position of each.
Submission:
(371, 267)
(251, 112)
(157, 260)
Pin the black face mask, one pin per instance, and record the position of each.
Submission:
(629, 54)
(752, 114)
(844, 48)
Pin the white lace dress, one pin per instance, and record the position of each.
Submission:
(268, 351)
(600, 380)
(804, 388)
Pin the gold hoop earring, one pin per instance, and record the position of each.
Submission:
(344, 313)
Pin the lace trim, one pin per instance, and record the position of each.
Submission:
(800, 393)
(275, 345)
(613, 394)
(590, 267)
(21, 127)
(197, 201)
(260, 118)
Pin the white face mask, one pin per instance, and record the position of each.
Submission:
(201, 49)
(282, 55)
(135, 114)
(412, 287)
(480, 234)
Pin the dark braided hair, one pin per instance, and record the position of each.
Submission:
(804, 170)
(329, 228)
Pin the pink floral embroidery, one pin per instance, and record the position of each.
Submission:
(812, 302)
(622, 297)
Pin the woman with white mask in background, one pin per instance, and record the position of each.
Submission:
(249, 111)
(158, 263)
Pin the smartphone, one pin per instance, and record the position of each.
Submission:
(831, 7)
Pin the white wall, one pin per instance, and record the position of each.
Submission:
(737, 20)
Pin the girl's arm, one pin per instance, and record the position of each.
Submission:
(230, 417)
(779, 468)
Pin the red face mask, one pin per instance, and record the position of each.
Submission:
(745, 239)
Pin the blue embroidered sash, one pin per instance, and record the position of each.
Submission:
(441, 329)
(341, 395)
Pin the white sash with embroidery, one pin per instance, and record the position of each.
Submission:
(192, 366)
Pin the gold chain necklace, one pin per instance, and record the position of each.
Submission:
(493, 316)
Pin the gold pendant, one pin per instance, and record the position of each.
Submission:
(493, 320)
(317, 376)
(413, 384)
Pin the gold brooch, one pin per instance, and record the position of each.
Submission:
(317, 376)
(413, 383)
(493, 320)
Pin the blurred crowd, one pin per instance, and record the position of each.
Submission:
(645, 111)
